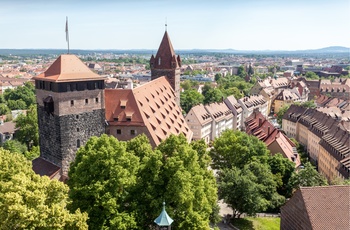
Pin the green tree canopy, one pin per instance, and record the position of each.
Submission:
(14, 146)
(311, 75)
(236, 149)
(29, 201)
(4, 109)
(27, 125)
(212, 95)
(132, 196)
(249, 190)
(283, 169)
(190, 98)
(281, 113)
(99, 181)
(21, 97)
(306, 177)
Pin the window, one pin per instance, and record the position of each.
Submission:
(96, 99)
(119, 131)
(68, 87)
(133, 132)
(71, 103)
(78, 143)
(77, 116)
(78, 129)
(86, 101)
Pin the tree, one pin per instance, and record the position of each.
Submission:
(190, 98)
(4, 109)
(249, 190)
(22, 97)
(141, 179)
(283, 169)
(311, 75)
(29, 201)
(309, 104)
(15, 146)
(27, 125)
(241, 72)
(100, 179)
(281, 113)
(236, 149)
(306, 177)
(218, 76)
(212, 95)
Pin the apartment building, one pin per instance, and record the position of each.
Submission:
(251, 103)
(236, 109)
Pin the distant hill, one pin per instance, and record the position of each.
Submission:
(327, 50)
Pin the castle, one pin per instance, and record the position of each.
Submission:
(73, 105)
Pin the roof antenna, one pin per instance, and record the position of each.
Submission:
(166, 24)
(67, 35)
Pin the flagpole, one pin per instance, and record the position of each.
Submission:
(67, 35)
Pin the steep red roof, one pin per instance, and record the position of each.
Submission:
(152, 105)
(68, 67)
(166, 55)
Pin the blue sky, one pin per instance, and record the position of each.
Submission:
(192, 24)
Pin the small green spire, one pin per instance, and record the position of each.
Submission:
(163, 219)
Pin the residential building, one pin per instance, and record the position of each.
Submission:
(7, 130)
(250, 103)
(317, 208)
(200, 122)
(150, 109)
(276, 141)
(334, 154)
(290, 119)
(236, 110)
(285, 97)
(222, 118)
(319, 126)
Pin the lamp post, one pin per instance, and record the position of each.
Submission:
(163, 220)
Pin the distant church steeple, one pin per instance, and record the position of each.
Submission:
(166, 63)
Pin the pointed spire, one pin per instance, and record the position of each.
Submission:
(163, 219)
(164, 57)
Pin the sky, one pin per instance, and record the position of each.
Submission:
(191, 24)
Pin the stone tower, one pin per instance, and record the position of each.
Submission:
(166, 63)
(70, 99)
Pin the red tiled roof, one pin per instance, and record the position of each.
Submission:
(328, 207)
(166, 54)
(68, 67)
(45, 168)
(152, 105)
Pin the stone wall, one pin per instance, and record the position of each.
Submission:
(59, 135)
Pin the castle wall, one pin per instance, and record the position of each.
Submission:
(60, 136)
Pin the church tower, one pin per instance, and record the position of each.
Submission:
(70, 99)
(166, 63)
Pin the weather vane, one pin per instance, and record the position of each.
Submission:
(166, 24)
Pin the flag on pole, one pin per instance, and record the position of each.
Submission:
(66, 29)
(67, 36)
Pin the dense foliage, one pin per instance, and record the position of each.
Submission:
(122, 185)
(29, 201)
(249, 178)
(21, 97)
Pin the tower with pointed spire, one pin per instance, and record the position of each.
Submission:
(70, 99)
(166, 63)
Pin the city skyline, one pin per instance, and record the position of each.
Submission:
(136, 24)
